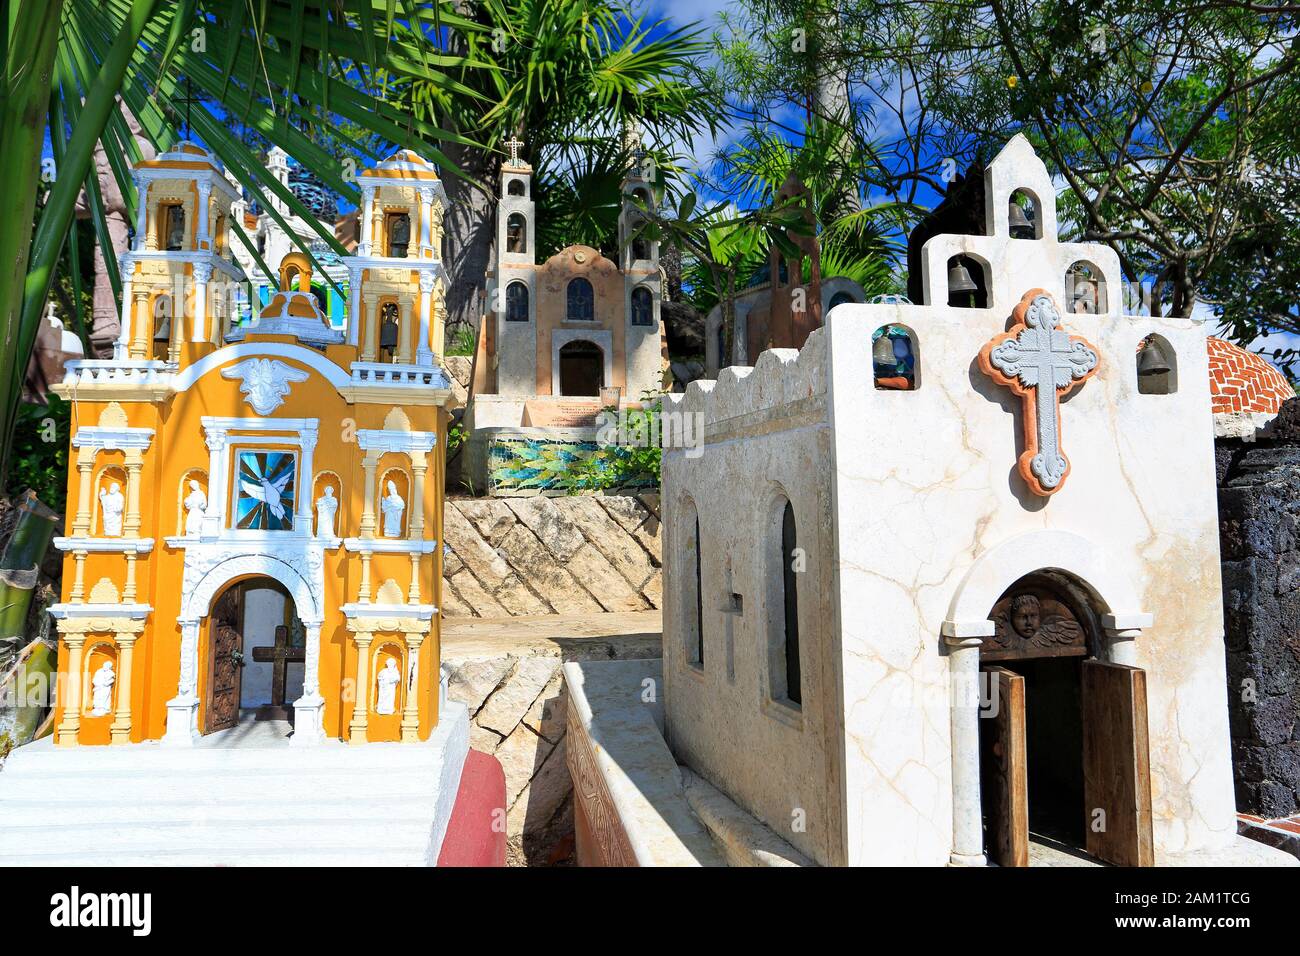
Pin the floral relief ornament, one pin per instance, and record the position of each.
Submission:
(265, 382)
(1042, 363)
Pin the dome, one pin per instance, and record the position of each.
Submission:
(1242, 381)
(312, 193)
(293, 311)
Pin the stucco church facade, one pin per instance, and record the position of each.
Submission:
(254, 510)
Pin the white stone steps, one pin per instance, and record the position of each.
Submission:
(145, 805)
(16, 814)
(153, 836)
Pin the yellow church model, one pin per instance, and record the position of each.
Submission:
(254, 512)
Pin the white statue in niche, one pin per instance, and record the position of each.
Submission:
(388, 678)
(327, 507)
(101, 695)
(393, 505)
(196, 504)
(111, 505)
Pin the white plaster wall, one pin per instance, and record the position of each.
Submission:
(777, 762)
(263, 613)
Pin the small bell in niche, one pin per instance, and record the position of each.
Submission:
(388, 334)
(961, 287)
(1152, 359)
(1020, 225)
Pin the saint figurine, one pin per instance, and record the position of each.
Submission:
(389, 678)
(111, 505)
(101, 696)
(196, 503)
(326, 507)
(393, 505)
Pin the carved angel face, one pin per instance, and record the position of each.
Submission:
(1026, 616)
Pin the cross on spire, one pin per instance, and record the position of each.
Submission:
(1041, 363)
(514, 145)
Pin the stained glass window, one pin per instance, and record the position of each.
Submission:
(265, 490)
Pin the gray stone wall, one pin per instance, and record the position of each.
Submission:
(510, 680)
(580, 555)
(1259, 518)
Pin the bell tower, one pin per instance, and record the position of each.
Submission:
(512, 292)
(642, 278)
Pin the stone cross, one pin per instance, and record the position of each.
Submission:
(1041, 363)
(280, 655)
(514, 146)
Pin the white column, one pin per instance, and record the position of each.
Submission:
(202, 240)
(305, 481)
(423, 353)
(122, 347)
(141, 211)
(309, 709)
(426, 223)
(214, 516)
(354, 311)
(183, 709)
(367, 200)
(964, 673)
(202, 275)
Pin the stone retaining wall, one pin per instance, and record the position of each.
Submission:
(586, 554)
(507, 672)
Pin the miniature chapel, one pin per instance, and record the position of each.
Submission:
(944, 620)
(254, 510)
(562, 339)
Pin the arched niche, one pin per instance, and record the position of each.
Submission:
(968, 282)
(401, 481)
(896, 358)
(516, 233)
(515, 187)
(183, 493)
(1085, 289)
(99, 651)
(1027, 223)
(1157, 366)
(517, 302)
(108, 476)
(386, 679)
(643, 309)
(582, 368)
(334, 482)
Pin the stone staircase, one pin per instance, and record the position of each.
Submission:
(238, 799)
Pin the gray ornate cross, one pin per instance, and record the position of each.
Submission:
(514, 146)
(1041, 363)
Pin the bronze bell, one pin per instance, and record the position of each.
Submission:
(388, 334)
(1152, 359)
(959, 279)
(1020, 225)
(882, 353)
(163, 327)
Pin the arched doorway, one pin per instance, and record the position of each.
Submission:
(582, 368)
(1063, 746)
(254, 652)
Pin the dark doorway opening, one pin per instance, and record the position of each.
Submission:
(582, 368)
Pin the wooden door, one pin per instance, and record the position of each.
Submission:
(225, 660)
(1116, 764)
(1004, 783)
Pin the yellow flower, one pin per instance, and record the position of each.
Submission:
(1012, 81)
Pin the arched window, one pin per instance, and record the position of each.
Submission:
(581, 302)
(516, 302)
(894, 358)
(389, 326)
(786, 680)
(840, 298)
(643, 310)
(174, 227)
(582, 368)
(516, 233)
(1085, 290)
(516, 187)
(693, 597)
(967, 283)
(1023, 217)
(399, 234)
(1157, 366)
(640, 247)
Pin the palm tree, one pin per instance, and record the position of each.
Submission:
(295, 71)
(568, 77)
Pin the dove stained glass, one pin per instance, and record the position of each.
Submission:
(264, 497)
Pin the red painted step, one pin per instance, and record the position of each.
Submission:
(476, 833)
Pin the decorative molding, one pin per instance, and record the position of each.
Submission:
(112, 439)
(105, 545)
(264, 382)
(408, 442)
(332, 373)
(589, 789)
(390, 546)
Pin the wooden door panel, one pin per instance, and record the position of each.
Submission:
(1005, 782)
(1116, 764)
(225, 645)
